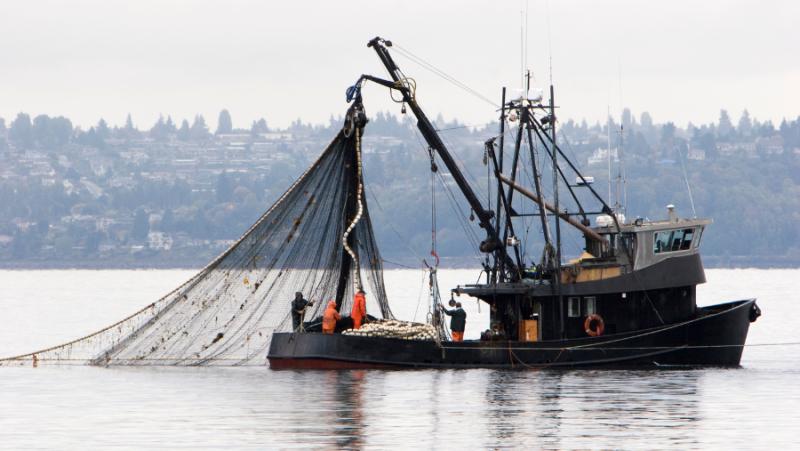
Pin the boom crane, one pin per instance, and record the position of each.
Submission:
(492, 243)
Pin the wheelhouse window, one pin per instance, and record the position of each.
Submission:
(672, 240)
(699, 237)
(574, 307)
(687, 239)
(590, 305)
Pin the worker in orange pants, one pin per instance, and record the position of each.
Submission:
(359, 311)
(329, 318)
(458, 320)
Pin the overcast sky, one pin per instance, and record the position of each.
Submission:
(680, 60)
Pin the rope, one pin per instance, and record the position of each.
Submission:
(474, 181)
(461, 215)
(686, 180)
(407, 83)
(522, 362)
(419, 295)
(359, 212)
(509, 348)
(442, 74)
(631, 348)
(655, 330)
(433, 208)
(397, 264)
(454, 205)
(459, 127)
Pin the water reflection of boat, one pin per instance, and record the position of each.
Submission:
(630, 299)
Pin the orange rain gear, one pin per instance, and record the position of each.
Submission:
(329, 318)
(359, 310)
(458, 336)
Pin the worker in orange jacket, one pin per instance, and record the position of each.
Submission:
(359, 311)
(329, 318)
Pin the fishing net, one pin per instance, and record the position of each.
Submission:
(316, 239)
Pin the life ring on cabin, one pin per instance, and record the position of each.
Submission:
(594, 320)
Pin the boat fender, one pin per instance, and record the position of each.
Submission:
(594, 320)
(755, 312)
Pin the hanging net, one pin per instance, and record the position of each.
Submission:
(316, 239)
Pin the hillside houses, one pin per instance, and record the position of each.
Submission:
(176, 196)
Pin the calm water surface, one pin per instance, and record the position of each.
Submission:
(752, 407)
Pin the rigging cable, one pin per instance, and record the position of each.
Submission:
(397, 264)
(686, 180)
(460, 214)
(434, 170)
(476, 185)
(456, 207)
(430, 67)
(406, 242)
(419, 296)
(461, 126)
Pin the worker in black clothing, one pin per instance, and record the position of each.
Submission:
(458, 321)
(299, 305)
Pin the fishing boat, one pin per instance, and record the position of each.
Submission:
(630, 299)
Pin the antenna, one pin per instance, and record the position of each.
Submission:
(523, 48)
(619, 203)
(549, 41)
(521, 51)
(620, 152)
(622, 168)
(608, 148)
(525, 62)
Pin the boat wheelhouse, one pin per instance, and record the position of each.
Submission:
(645, 276)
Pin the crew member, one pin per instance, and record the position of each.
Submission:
(458, 320)
(359, 311)
(299, 305)
(329, 318)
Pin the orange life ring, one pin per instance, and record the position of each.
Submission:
(597, 320)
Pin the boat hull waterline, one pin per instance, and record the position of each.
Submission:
(714, 337)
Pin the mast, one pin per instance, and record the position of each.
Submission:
(538, 186)
(492, 243)
(499, 168)
(526, 115)
(557, 278)
(356, 116)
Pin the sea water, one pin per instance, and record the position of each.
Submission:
(756, 406)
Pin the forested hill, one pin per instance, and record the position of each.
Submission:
(176, 195)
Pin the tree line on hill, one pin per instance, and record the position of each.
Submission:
(745, 174)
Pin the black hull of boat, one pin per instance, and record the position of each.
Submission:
(715, 337)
